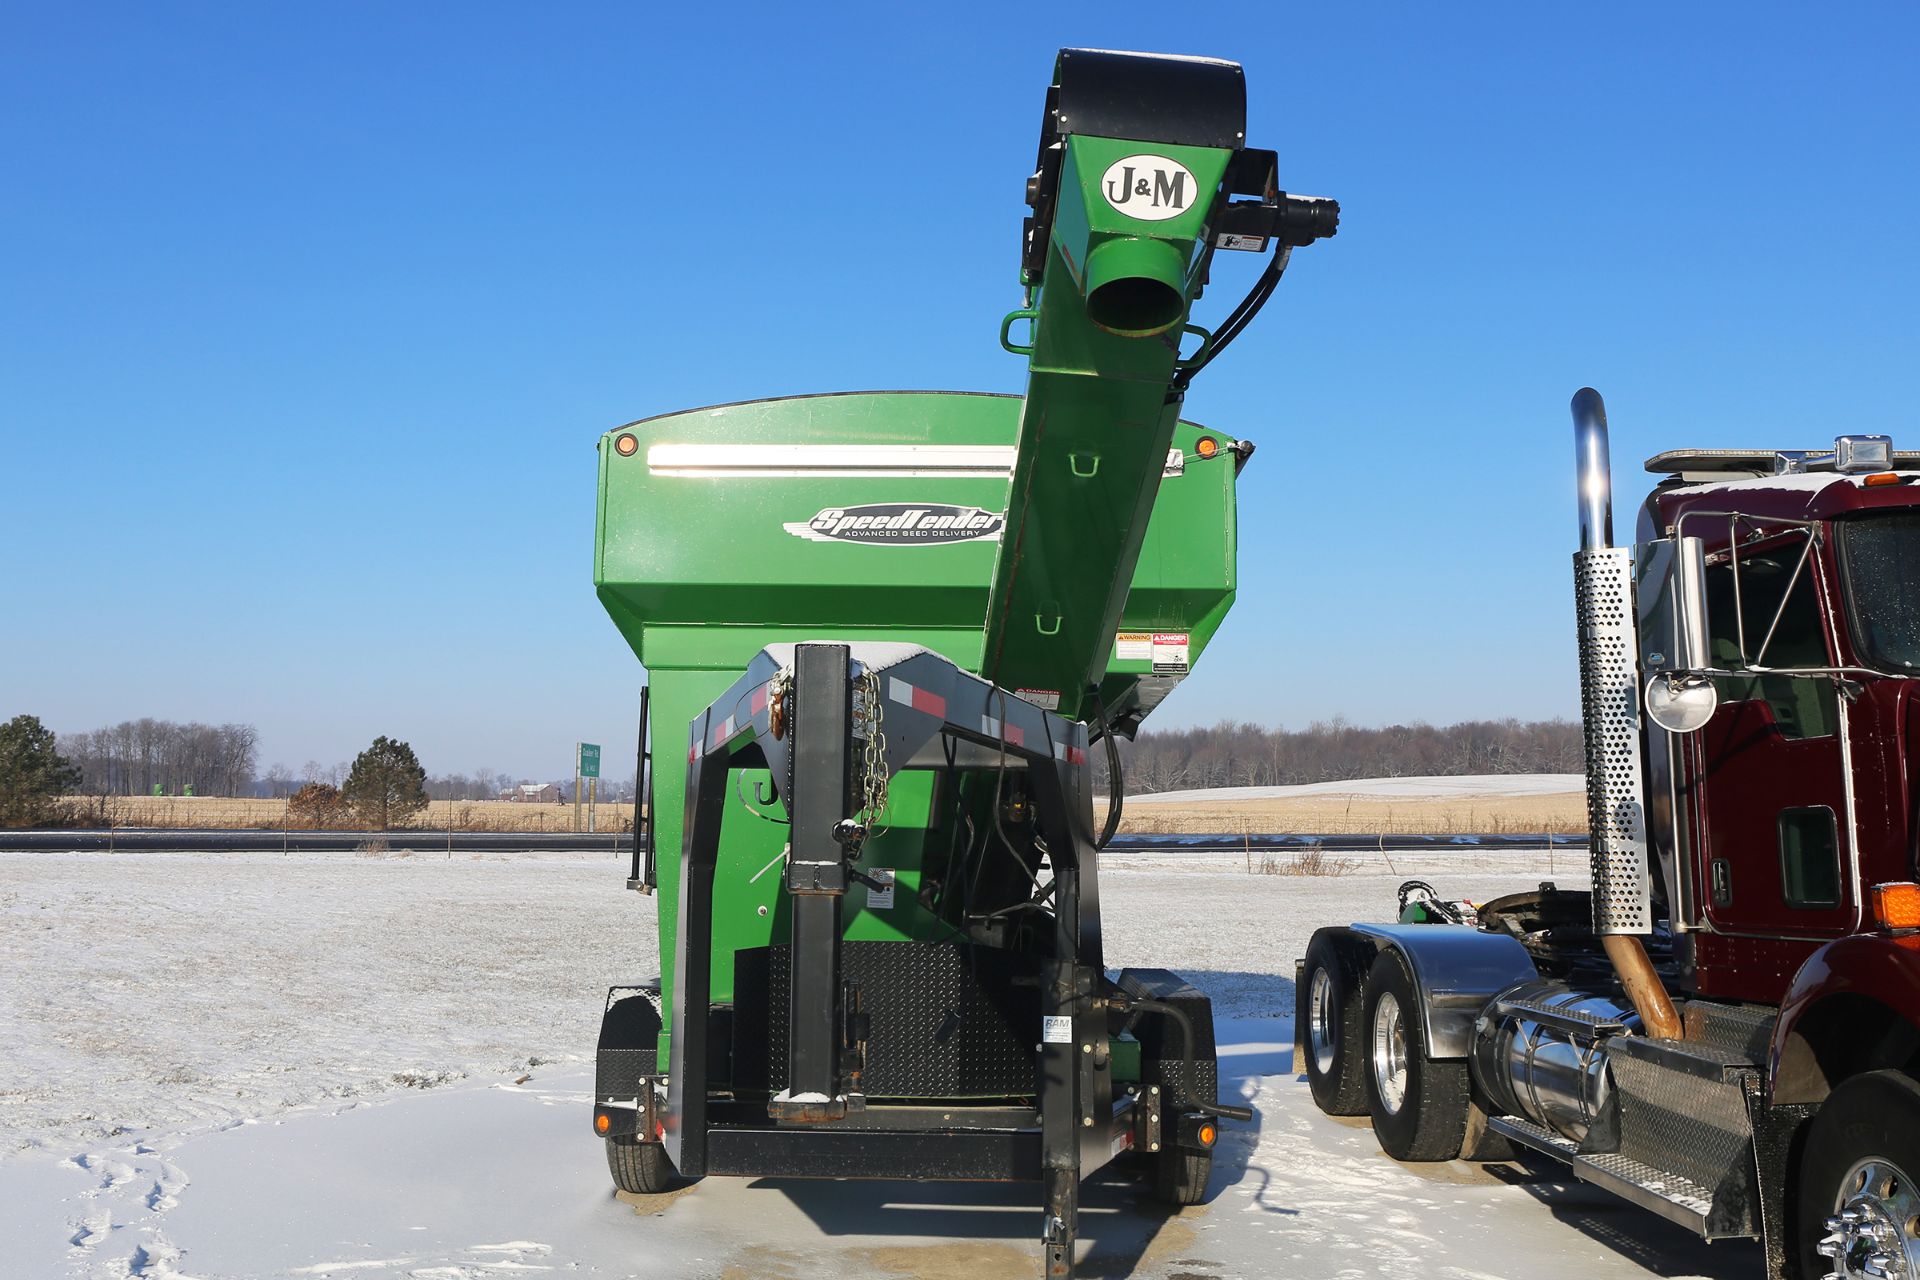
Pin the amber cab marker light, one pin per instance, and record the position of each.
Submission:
(1881, 478)
(1207, 447)
(1897, 905)
(626, 446)
(602, 1123)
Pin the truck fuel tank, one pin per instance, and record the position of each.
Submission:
(1540, 1051)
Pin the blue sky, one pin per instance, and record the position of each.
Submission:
(310, 317)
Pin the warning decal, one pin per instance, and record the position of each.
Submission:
(1170, 653)
(1133, 646)
(881, 899)
(1045, 699)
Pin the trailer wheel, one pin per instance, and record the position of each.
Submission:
(1180, 1176)
(641, 1168)
(1859, 1196)
(1418, 1103)
(1329, 1011)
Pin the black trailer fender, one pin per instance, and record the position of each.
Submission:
(626, 1063)
(1187, 1074)
(1456, 971)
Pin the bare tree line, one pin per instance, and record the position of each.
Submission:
(134, 757)
(1231, 754)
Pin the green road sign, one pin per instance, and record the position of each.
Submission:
(588, 758)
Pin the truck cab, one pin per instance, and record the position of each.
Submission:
(1771, 823)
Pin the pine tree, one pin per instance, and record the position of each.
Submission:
(386, 784)
(33, 773)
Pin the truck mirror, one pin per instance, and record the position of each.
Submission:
(1680, 702)
(1689, 589)
(1674, 653)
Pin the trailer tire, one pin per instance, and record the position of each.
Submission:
(1330, 1012)
(1180, 1176)
(640, 1168)
(1418, 1103)
(1869, 1122)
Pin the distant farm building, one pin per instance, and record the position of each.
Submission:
(533, 793)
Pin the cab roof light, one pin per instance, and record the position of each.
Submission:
(1895, 906)
(1883, 478)
(1854, 455)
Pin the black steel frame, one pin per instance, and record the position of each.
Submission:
(819, 1126)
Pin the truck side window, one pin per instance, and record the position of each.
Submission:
(1809, 857)
(1802, 706)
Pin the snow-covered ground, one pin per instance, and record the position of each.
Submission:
(229, 1066)
(1463, 787)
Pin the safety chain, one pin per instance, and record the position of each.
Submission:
(872, 782)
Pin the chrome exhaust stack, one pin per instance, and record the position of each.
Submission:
(1610, 719)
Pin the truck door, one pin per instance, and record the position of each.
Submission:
(1771, 784)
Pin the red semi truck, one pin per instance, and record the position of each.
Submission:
(1726, 1029)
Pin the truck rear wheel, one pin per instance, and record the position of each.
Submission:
(1329, 1013)
(641, 1168)
(1859, 1210)
(1418, 1103)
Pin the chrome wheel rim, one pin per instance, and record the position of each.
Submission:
(1874, 1233)
(1390, 1053)
(1320, 1017)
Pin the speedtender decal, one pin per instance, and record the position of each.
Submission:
(900, 524)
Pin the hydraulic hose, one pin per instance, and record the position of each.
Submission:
(1179, 1018)
(1116, 782)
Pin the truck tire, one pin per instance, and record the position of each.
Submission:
(1418, 1103)
(641, 1168)
(1180, 1176)
(1329, 1012)
(1862, 1154)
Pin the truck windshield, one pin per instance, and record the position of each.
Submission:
(1880, 554)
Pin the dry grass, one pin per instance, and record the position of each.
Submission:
(1312, 862)
(1563, 814)
(225, 814)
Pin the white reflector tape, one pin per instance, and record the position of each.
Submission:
(743, 461)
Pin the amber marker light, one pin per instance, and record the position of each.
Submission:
(1207, 447)
(626, 445)
(602, 1123)
(1878, 479)
(1207, 1134)
(1897, 905)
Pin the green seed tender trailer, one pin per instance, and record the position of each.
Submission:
(902, 629)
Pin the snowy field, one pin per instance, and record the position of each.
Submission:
(237, 1066)
(1462, 787)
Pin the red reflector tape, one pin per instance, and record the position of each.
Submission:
(919, 699)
